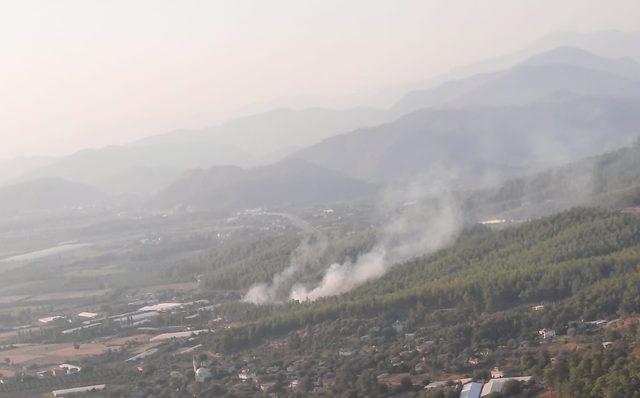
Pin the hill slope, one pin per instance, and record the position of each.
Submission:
(473, 143)
(232, 188)
(572, 259)
(611, 179)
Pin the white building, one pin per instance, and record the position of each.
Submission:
(70, 369)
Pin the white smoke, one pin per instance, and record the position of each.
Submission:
(306, 255)
(421, 221)
(420, 227)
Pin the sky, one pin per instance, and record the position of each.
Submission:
(89, 73)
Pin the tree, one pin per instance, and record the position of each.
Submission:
(511, 388)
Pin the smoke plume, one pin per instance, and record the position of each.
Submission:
(417, 228)
(419, 221)
(306, 256)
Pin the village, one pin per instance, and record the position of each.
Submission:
(77, 354)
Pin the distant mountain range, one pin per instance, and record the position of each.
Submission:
(150, 164)
(553, 107)
(564, 69)
(46, 194)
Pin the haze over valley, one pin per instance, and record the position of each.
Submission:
(217, 200)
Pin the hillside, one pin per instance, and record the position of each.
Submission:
(231, 188)
(483, 144)
(474, 299)
(611, 179)
(47, 194)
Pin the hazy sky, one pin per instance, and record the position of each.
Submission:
(88, 73)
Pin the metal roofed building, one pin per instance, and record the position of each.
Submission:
(471, 390)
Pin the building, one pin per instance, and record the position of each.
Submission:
(246, 374)
(70, 369)
(496, 373)
(471, 390)
(547, 333)
(495, 385)
(537, 308)
(50, 319)
(78, 390)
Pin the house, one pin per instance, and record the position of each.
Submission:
(537, 308)
(496, 373)
(88, 315)
(471, 390)
(50, 319)
(595, 325)
(246, 374)
(58, 372)
(473, 361)
(607, 344)
(547, 333)
(70, 369)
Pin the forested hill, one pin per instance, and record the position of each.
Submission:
(585, 261)
(475, 298)
(611, 179)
